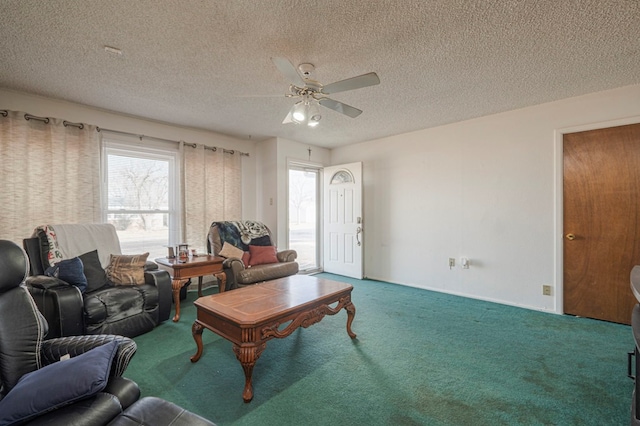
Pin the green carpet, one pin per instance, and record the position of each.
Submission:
(420, 358)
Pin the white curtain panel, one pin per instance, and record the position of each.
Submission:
(50, 173)
(212, 188)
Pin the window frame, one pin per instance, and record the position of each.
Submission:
(153, 150)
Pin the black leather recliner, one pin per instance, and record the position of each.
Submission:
(23, 351)
(124, 310)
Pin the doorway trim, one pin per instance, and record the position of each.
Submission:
(558, 228)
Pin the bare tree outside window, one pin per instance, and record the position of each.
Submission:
(137, 185)
(301, 194)
(138, 195)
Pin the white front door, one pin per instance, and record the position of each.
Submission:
(343, 224)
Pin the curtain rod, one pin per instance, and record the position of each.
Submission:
(45, 120)
(193, 145)
(80, 126)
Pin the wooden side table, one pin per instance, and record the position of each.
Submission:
(183, 269)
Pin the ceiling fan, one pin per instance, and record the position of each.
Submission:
(312, 93)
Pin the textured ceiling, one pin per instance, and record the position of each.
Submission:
(206, 64)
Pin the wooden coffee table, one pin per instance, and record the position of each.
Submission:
(183, 269)
(250, 316)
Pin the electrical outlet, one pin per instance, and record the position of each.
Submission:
(546, 290)
(452, 263)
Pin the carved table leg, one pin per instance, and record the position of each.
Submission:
(199, 286)
(176, 285)
(248, 355)
(351, 313)
(196, 331)
(222, 281)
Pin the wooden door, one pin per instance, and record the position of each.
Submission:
(601, 215)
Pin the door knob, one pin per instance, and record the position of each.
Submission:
(571, 237)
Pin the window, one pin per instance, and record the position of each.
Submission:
(140, 195)
(341, 176)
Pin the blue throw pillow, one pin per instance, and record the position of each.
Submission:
(70, 271)
(58, 384)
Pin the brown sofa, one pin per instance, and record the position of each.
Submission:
(253, 239)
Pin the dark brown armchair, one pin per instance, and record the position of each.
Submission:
(251, 256)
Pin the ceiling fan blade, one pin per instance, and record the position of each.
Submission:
(364, 80)
(340, 107)
(288, 70)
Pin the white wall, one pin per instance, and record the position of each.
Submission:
(267, 176)
(488, 189)
(41, 106)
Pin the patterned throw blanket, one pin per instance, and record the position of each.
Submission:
(54, 254)
(243, 233)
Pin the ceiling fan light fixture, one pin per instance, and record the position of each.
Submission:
(314, 120)
(313, 114)
(306, 112)
(299, 113)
